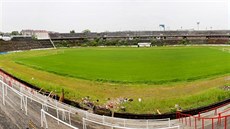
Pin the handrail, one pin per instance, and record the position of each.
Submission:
(120, 127)
(42, 111)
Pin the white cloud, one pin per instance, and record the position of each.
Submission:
(113, 15)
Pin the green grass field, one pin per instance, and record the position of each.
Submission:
(161, 76)
(134, 65)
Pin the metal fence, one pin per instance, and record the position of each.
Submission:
(216, 118)
(87, 123)
(50, 113)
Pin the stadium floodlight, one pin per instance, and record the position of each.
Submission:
(198, 24)
(162, 26)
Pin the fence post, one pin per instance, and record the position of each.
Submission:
(103, 119)
(219, 119)
(3, 95)
(84, 123)
(185, 120)
(25, 104)
(147, 124)
(169, 122)
(182, 120)
(41, 119)
(69, 118)
(212, 124)
(124, 122)
(21, 102)
(225, 125)
(6, 90)
(179, 116)
(195, 123)
(202, 123)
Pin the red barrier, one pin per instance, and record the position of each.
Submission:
(211, 109)
(183, 117)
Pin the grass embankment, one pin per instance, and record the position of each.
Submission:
(162, 77)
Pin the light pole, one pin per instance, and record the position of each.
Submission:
(198, 23)
(162, 26)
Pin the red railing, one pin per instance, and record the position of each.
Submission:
(196, 121)
(213, 109)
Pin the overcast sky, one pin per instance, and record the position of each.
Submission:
(113, 15)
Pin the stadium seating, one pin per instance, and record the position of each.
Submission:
(24, 45)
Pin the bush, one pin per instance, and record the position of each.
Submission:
(228, 42)
(154, 42)
(62, 44)
(184, 42)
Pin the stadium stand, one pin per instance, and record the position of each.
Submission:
(167, 37)
(24, 45)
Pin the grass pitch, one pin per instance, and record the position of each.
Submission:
(162, 76)
(134, 65)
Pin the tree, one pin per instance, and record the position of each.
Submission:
(72, 32)
(15, 33)
(86, 31)
(34, 37)
(153, 42)
(92, 43)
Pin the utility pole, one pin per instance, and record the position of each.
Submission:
(198, 24)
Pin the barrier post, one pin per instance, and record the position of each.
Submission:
(147, 124)
(41, 119)
(3, 95)
(185, 120)
(195, 123)
(6, 91)
(58, 116)
(178, 116)
(202, 123)
(219, 119)
(225, 123)
(69, 118)
(25, 104)
(84, 124)
(169, 122)
(124, 122)
(212, 123)
(182, 120)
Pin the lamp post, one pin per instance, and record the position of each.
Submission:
(162, 26)
(198, 23)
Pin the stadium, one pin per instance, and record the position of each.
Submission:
(127, 79)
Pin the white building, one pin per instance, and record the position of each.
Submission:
(6, 37)
(144, 44)
(39, 34)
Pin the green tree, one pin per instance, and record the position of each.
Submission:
(34, 37)
(72, 32)
(86, 31)
(15, 33)
(153, 42)
(184, 42)
(92, 43)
